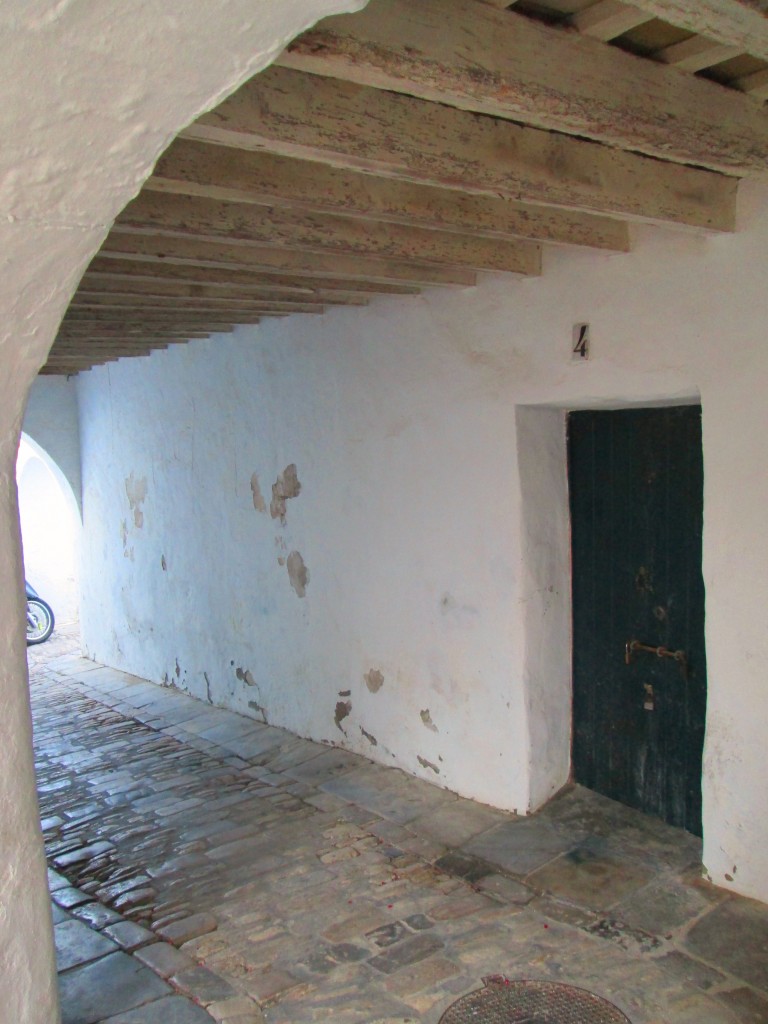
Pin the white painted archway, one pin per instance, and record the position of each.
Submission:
(50, 528)
(92, 93)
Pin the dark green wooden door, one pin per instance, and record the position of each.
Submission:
(636, 480)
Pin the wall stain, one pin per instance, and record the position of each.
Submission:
(178, 669)
(343, 710)
(449, 606)
(345, 693)
(258, 498)
(298, 573)
(246, 676)
(427, 764)
(127, 551)
(374, 680)
(427, 720)
(163, 563)
(137, 492)
(286, 486)
(259, 709)
(371, 739)
(281, 561)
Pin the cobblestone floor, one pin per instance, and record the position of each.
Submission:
(206, 866)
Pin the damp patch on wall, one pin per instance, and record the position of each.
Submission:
(246, 676)
(298, 573)
(426, 718)
(286, 486)
(343, 710)
(374, 680)
(258, 498)
(136, 490)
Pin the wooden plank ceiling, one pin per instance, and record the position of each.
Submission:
(417, 144)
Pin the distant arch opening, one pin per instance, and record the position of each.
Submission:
(50, 530)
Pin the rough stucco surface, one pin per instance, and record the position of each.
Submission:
(92, 92)
(433, 631)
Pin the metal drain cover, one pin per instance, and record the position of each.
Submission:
(531, 1002)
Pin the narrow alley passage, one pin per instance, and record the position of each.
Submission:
(205, 866)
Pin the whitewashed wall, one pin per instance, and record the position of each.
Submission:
(427, 435)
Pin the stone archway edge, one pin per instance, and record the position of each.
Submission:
(92, 95)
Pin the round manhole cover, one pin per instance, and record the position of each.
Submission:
(531, 1002)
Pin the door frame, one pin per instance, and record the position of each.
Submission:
(546, 582)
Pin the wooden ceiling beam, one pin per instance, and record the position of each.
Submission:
(150, 307)
(608, 19)
(271, 259)
(165, 303)
(348, 125)
(126, 271)
(222, 173)
(91, 349)
(468, 55)
(737, 23)
(127, 332)
(170, 317)
(96, 284)
(212, 220)
(71, 367)
(695, 54)
(195, 295)
(755, 84)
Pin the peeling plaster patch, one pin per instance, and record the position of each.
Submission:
(343, 710)
(374, 680)
(371, 739)
(246, 676)
(286, 486)
(259, 710)
(427, 764)
(427, 720)
(163, 563)
(137, 492)
(298, 573)
(258, 498)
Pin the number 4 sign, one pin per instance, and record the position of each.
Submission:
(580, 343)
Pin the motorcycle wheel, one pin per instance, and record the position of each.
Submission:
(39, 621)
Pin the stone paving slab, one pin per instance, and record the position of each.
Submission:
(171, 1010)
(735, 937)
(78, 944)
(339, 890)
(110, 986)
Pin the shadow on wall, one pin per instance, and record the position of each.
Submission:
(50, 530)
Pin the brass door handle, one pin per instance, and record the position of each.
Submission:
(632, 646)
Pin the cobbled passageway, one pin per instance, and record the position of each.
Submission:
(205, 866)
